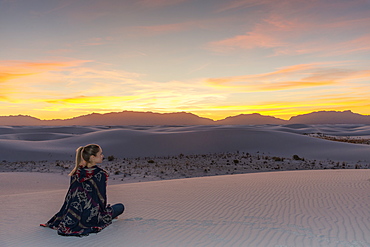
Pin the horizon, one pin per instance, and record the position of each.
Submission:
(64, 59)
(183, 112)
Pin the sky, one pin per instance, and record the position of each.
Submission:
(214, 58)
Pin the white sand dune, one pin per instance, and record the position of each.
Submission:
(295, 208)
(59, 143)
(286, 208)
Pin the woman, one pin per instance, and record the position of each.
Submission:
(85, 208)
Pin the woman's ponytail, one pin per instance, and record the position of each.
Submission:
(78, 160)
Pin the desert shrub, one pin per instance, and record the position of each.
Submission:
(277, 159)
(111, 158)
(150, 161)
(296, 157)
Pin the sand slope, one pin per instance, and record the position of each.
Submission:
(296, 208)
(59, 143)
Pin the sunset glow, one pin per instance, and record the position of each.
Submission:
(61, 59)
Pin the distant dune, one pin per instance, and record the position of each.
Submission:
(198, 205)
(59, 143)
(184, 118)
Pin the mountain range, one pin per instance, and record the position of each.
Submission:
(184, 118)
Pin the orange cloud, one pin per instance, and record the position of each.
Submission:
(308, 75)
(326, 47)
(46, 65)
(249, 41)
(275, 86)
(91, 99)
(9, 76)
(81, 105)
(3, 98)
(12, 69)
(359, 44)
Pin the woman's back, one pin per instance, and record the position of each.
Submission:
(85, 207)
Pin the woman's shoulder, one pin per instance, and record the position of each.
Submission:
(99, 170)
(86, 173)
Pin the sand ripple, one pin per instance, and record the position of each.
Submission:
(293, 208)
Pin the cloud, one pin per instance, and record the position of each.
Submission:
(139, 96)
(284, 39)
(9, 76)
(239, 4)
(202, 24)
(325, 48)
(160, 29)
(97, 41)
(272, 31)
(48, 65)
(159, 3)
(78, 87)
(3, 98)
(60, 51)
(13, 69)
(87, 99)
(293, 104)
(27, 81)
(296, 28)
(307, 76)
(249, 41)
(356, 45)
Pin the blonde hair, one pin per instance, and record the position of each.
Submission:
(83, 155)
